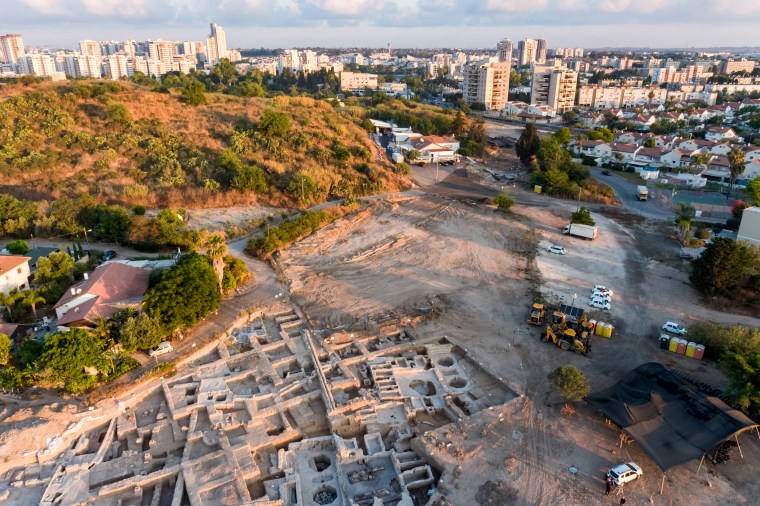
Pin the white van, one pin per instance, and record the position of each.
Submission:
(163, 347)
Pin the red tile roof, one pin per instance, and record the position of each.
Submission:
(10, 262)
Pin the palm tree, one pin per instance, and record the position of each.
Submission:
(216, 249)
(8, 300)
(735, 166)
(31, 298)
(701, 160)
(684, 225)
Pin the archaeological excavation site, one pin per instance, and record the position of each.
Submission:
(278, 414)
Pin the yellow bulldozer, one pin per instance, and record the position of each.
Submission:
(537, 314)
(567, 339)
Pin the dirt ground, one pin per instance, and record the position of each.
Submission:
(469, 265)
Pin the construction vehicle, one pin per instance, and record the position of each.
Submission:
(567, 339)
(537, 314)
(642, 192)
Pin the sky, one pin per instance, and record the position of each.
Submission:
(403, 23)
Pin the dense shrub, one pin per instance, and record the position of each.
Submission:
(288, 232)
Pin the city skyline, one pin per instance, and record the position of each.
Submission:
(330, 23)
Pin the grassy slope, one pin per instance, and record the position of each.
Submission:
(56, 142)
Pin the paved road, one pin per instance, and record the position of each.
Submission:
(657, 208)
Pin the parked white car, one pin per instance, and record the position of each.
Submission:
(599, 304)
(601, 295)
(601, 289)
(625, 473)
(559, 250)
(163, 347)
(674, 328)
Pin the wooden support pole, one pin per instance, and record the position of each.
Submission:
(662, 486)
(738, 445)
(700, 463)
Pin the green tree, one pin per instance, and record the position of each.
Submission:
(67, 355)
(275, 124)
(194, 93)
(141, 332)
(562, 136)
(226, 72)
(582, 216)
(185, 293)
(216, 249)
(724, 266)
(736, 166)
(753, 190)
(250, 178)
(235, 273)
(17, 247)
(569, 116)
(528, 144)
(650, 143)
(601, 134)
(119, 114)
(303, 187)
(109, 223)
(31, 298)
(8, 301)
(569, 382)
(30, 351)
(460, 124)
(5, 348)
(57, 267)
(504, 202)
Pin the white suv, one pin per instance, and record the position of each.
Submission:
(601, 289)
(625, 473)
(163, 347)
(674, 328)
(599, 304)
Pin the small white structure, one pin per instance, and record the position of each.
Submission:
(749, 229)
(14, 273)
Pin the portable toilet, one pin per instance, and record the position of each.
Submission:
(599, 329)
(537, 188)
(673, 344)
(681, 349)
(690, 349)
(664, 342)
(608, 331)
(699, 351)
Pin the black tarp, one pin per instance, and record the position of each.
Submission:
(670, 418)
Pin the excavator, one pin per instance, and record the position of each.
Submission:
(537, 314)
(567, 339)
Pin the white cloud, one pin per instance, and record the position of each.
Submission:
(340, 8)
(130, 8)
(48, 7)
(513, 5)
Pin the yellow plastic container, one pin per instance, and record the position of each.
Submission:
(690, 349)
(608, 331)
(673, 344)
(599, 331)
(537, 188)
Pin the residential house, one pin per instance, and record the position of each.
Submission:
(650, 155)
(700, 115)
(721, 149)
(436, 148)
(718, 169)
(670, 116)
(751, 153)
(720, 134)
(592, 119)
(626, 152)
(514, 108)
(597, 149)
(677, 158)
(16, 331)
(666, 141)
(632, 137)
(751, 170)
(542, 111)
(750, 102)
(111, 288)
(643, 121)
(697, 145)
(14, 273)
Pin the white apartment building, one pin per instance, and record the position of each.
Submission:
(116, 67)
(554, 85)
(40, 65)
(350, 81)
(217, 45)
(162, 50)
(11, 48)
(486, 83)
(150, 67)
(527, 51)
(614, 97)
(730, 66)
(675, 75)
(89, 48)
(89, 66)
(541, 48)
(129, 48)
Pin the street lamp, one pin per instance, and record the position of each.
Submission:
(85, 237)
